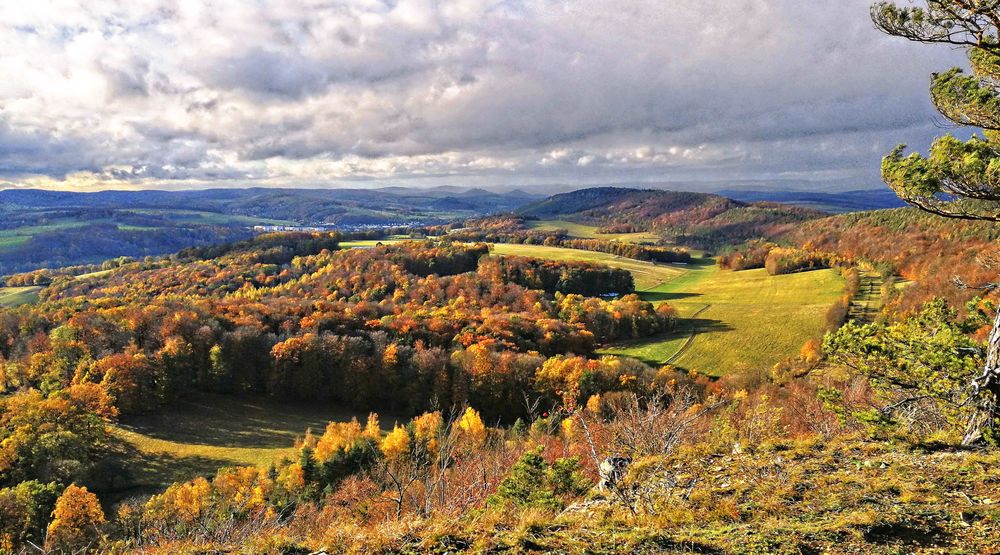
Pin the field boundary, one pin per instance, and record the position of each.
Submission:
(690, 340)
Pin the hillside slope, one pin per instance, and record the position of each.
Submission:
(696, 219)
(924, 249)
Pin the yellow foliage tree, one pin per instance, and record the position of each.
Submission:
(339, 436)
(396, 443)
(373, 430)
(594, 404)
(472, 427)
(293, 478)
(391, 355)
(568, 428)
(76, 521)
(426, 428)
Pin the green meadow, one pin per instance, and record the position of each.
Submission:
(648, 276)
(17, 296)
(584, 231)
(730, 320)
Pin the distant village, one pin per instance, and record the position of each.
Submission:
(337, 227)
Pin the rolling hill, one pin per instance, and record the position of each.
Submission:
(696, 219)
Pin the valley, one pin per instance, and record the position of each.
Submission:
(261, 359)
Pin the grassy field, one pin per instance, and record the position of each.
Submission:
(10, 238)
(647, 275)
(99, 273)
(11, 241)
(590, 232)
(368, 243)
(196, 436)
(16, 296)
(731, 320)
(745, 319)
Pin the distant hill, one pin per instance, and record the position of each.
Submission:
(697, 219)
(849, 201)
(384, 206)
(50, 229)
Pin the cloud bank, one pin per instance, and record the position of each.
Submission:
(184, 93)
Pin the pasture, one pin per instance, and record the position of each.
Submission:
(647, 275)
(730, 320)
(17, 296)
(369, 243)
(583, 231)
(744, 320)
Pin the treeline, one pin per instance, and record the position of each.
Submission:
(614, 229)
(927, 250)
(775, 259)
(45, 276)
(292, 244)
(564, 277)
(635, 251)
(443, 260)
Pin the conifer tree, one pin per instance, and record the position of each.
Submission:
(957, 179)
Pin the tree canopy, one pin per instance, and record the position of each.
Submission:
(957, 179)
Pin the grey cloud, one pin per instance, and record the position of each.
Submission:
(412, 89)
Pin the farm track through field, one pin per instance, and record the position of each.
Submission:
(867, 302)
(687, 342)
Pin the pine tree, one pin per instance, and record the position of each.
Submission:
(958, 179)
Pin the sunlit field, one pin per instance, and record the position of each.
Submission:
(731, 320)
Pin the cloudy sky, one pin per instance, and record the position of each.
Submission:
(709, 93)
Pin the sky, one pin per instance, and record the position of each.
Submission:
(707, 94)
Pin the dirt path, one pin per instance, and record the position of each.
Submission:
(687, 342)
(867, 302)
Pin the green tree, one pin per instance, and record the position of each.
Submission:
(922, 361)
(532, 482)
(25, 510)
(957, 179)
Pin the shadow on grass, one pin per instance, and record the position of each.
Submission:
(704, 325)
(915, 534)
(127, 473)
(238, 421)
(688, 327)
(654, 296)
(698, 262)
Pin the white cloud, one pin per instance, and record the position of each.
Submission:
(311, 92)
